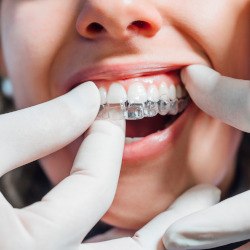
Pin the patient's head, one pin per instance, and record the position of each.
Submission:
(51, 46)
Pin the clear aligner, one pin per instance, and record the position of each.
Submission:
(137, 111)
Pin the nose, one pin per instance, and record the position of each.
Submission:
(118, 19)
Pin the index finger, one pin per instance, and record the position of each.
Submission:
(32, 133)
(222, 97)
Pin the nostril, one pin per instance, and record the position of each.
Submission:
(94, 28)
(142, 27)
(140, 24)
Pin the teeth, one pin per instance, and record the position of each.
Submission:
(151, 109)
(178, 91)
(173, 108)
(103, 95)
(137, 93)
(116, 94)
(164, 106)
(139, 102)
(181, 92)
(134, 111)
(153, 94)
(164, 92)
(184, 92)
(172, 92)
(129, 140)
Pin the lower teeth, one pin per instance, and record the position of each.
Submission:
(137, 111)
(129, 140)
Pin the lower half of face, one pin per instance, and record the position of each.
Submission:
(194, 149)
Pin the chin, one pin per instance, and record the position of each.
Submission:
(134, 216)
(147, 189)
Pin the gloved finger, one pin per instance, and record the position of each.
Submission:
(114, 233)
(126, 243)
(8, 220)
(77, 203)
(195, 199)
(221, 224)
(150, 236)
(32, 133)
(222, 97)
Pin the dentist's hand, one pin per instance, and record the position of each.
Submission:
(222, 224)
(150, 236)
(66, 214)
(222, 97)
(228, 221)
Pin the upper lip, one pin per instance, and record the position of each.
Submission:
(117, 72)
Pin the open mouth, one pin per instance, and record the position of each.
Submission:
(137, 130)
(155, 105)
(149, 103)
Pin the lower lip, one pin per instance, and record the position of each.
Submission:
(156, 143)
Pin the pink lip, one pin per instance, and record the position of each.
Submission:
(117, 72)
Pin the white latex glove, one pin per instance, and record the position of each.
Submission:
(229, 221)
(66, 214)
(221, 224)
(222, 97)
(150, 236)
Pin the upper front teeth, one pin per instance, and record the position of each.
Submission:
(172, 92)
(153, 93)
(137, 93)
(116, 94)
(103, 95)
(139, 102)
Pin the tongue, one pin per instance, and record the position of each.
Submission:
(146, 126)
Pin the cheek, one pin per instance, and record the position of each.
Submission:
(212, 150)
(226, 42)
(32, 34)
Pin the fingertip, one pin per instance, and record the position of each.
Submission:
(119, 123)
(112, 128)
(199, 78)
(88, 92)
(190, 75)
(210, 191)
(171, 238)
(192, 71)
(85, 98)
(185, 75)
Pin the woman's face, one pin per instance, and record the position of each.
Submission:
(46, 43)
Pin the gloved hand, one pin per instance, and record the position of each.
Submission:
(221, 224)
(150, 236)
(222, 97)
(228, 221)
(66, 214)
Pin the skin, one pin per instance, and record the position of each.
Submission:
(43, 42)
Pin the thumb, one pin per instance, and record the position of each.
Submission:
(222, 97)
